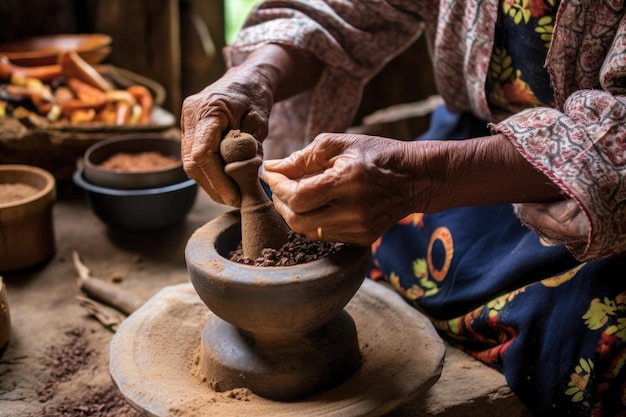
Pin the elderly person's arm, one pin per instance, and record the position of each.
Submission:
(242, 100)
(334, 46)
(356, 187)
(581, 146)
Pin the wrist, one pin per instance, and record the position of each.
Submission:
(430, 175)
(265, 63)
(288, 71)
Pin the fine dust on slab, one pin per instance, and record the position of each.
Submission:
(402, 357)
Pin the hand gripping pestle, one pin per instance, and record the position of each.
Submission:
(261, 225)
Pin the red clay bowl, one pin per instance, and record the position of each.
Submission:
(96, 154)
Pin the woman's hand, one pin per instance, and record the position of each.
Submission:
(348, 188)
(242, 100)
(353, 188)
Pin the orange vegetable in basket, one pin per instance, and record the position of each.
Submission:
(43, 73)
(145, 100)
(86, 93)
(74, 66)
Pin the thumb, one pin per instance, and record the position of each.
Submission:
(291, 167)
(308, 161)
(277, 165)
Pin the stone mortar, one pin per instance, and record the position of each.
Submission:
(279, 331)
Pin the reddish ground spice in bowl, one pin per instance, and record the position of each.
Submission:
(132, 162)
(139, 162)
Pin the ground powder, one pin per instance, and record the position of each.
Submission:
(10, 192)
(65, 360)
(139, 162)
(297, 250)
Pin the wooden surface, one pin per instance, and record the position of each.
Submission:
(44, 310)
(402, 358)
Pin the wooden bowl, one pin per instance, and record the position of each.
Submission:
(26, 226)
(5, 318)
(44, 50)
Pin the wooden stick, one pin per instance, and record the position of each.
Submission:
(107, 316)
(104, 291)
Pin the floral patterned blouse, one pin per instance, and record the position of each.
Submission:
(578, 141)
(550, 313)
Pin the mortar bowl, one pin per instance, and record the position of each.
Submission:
(270, 302)
(282, 331)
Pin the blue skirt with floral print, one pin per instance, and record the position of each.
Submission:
(555, 327)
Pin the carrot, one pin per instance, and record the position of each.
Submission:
(145, 100)
(70, 106)
(43, 73)
(82, 116)
(86, 93)
(74, 66)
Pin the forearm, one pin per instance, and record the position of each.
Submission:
(579, 147)
(479, 171)
(288, 71)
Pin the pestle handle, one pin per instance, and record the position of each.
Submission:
(238, 146)
(261, 225)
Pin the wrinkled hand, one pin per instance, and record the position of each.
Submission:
(355, 187)
(242, 100)
(562, 222)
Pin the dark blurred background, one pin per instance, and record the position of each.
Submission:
(178, 43)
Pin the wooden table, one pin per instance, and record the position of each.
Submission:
(49, 322)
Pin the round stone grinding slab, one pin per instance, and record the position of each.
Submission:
(155, 352)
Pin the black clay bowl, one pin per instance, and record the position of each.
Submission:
(141, 210)
(133, 144)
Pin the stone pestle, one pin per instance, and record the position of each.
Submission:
(261, 225)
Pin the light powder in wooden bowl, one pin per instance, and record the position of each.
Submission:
(11, 192)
